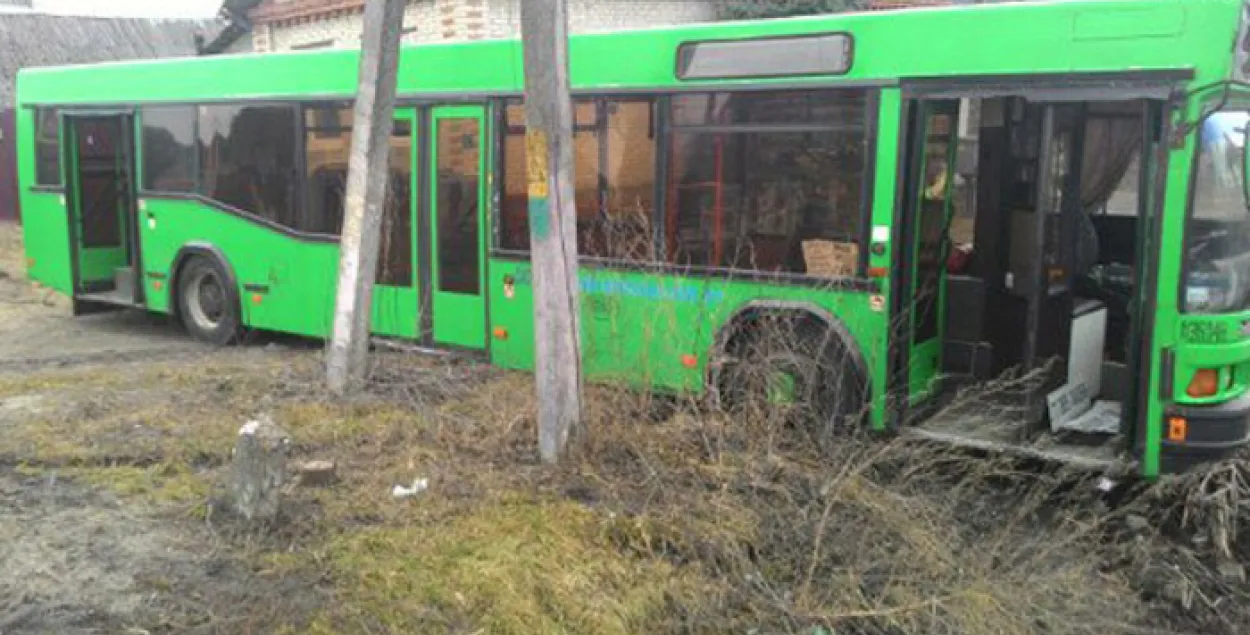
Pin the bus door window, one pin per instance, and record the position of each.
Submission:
(932, 246)
(459, 261)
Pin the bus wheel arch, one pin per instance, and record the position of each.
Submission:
(851, 386)
(205, 266)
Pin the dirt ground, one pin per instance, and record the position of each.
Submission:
(74, 556)
(115, 439)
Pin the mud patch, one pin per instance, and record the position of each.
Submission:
(77, 562)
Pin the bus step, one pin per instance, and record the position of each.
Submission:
(124, 282)
(1095, 458)
(114, 297)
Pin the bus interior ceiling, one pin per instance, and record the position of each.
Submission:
(1017, 347)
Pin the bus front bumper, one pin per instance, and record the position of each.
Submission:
(1214, 432)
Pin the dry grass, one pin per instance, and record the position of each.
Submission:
(665, 519)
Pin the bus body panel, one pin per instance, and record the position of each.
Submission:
(887, 46)
(641, 328)
(45, 233)
(285, 283)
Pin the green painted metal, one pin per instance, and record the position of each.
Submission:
(1152, 34)
(396, 308)
(299, 276)
(888, 180)
(640, 328)
(926, 356)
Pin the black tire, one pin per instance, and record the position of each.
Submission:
(828, 389)
(208, 304)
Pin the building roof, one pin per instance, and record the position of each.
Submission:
(273, 11)
(28, 40)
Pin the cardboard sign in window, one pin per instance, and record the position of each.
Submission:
(830, 259)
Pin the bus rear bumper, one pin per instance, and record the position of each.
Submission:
(1213, 433)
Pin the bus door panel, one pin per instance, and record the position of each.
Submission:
(927, 213)
(101, 204)
(1042, 249)
(456, 241)
(1154, 177)
(396, 308)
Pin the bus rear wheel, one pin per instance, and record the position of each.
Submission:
(207, 304)
(795, 371)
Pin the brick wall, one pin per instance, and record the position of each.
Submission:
(441, 20)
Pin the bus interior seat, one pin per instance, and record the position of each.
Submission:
(966, 351)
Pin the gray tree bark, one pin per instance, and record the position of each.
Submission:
(367, 173)
(553, 223)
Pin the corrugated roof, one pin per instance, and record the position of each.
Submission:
(28, 40)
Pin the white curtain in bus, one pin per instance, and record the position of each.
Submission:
(1111, 145)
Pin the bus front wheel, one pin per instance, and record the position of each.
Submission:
(793, 370)
(207, 304)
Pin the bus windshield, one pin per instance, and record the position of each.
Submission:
(1217, 246)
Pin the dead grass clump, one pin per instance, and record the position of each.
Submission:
(1214, 504)
(1194, 561)
(858, 538)
(523, 566)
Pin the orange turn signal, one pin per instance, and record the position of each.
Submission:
(1178, 429)
(501, 333)
(1206, 383)
(256, 298)
(690, 361)
(877, 272)
(157, 285)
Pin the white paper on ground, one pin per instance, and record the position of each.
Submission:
(1103, 418)
(1067, 403)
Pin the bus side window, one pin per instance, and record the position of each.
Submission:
(47, 147)
(754, 177)
(615, 149)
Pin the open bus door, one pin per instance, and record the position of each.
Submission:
(918, 284)
(100, 188)
(1036, 268)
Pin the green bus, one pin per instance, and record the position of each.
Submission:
(1016, 226)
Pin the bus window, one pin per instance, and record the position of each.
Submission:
(395, 256)
(614, 147)
(514, 229)
(248, 159)
(755, 176)
(169, 148)
(1217, 241)
(327, 148)
(625, 231)
(47, 147)
(458, 174)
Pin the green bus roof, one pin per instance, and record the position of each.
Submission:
(1099, 36)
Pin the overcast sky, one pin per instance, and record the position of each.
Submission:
(133, 8)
